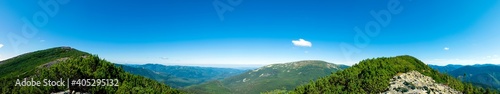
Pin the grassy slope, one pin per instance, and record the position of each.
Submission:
(26, 63)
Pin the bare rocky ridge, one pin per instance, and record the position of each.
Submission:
(415, 83)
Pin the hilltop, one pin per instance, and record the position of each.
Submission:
(69, 63)
(25, 64)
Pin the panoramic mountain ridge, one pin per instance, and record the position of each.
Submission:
(400, 74)
(68, 63)
(374, 75)
(182, 76)
(275, 76)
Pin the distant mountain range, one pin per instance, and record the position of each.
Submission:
(447, 68)
(485, 75)
(275, 76)
(181, 76)
(160, 77)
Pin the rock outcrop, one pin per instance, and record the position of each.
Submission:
(415, 83)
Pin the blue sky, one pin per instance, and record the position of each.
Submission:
(256, 32)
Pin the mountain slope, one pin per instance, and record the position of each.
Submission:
(68, 63)
(270, 77)
(145, 72)
(486, 76)
(446, 69)
(26, 63)
(373, 76)
(162, 77)
(182, 76)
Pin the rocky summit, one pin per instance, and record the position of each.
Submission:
(415, 83)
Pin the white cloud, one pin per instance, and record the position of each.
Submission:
(1, 45)
(446, 48)
(302, 43)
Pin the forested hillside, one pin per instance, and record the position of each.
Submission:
(25, 64)
(70, 64)
(373, 76)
